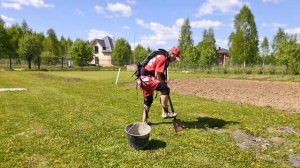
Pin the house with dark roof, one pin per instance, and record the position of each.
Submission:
(222, 56)
(102, 51)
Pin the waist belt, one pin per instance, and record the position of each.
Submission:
(146, 72)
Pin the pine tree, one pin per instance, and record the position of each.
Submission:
(244, 41)
(278, 38)
(185, 42)
(51, 48)
(264, 50)
(207, 49)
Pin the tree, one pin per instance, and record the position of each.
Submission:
(149, 50)
(277, 40)
(190, 57)
(69, 44)
(63, 47)
(289, 53)
(140, 53)
(207, 49)
(294, 61)
(185, 42)
(4, 44)
(264, 49)
(29, 47)
(82, 52)
(286, 51)
(40, 37)
(15, 33)
(63, 50)
(51, 48)
(244, 41)
(185, 38)
(122, 52)
(25, 28)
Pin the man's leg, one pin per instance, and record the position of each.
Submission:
(164, 104)
(164, 98)
(147, 104)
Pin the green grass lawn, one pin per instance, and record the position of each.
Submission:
(77, 119)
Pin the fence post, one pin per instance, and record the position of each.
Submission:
(39, 62)
(62, 63)
(10, 61)
(118, 75)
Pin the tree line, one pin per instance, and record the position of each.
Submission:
(21, 42)
(245, 49)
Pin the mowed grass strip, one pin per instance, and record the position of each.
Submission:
(77, 119)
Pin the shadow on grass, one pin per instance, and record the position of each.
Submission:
(201, 123)
(159, 123)
(155, 144)
(207, 122)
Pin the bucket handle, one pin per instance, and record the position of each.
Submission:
(131, 127)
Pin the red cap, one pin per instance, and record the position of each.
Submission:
(176, 52)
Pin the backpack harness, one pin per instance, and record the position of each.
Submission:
(141, 66)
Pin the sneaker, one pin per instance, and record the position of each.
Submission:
(169, 115)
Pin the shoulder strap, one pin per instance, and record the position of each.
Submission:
(153, 54)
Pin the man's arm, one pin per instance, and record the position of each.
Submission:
(160, 68)
(160, 76)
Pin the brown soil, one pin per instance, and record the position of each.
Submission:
(275, 94)
(52, 77)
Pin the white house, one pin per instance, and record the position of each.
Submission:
(102, 51)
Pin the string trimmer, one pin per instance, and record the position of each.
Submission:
(178, 126)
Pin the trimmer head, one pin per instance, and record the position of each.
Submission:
(178, 126)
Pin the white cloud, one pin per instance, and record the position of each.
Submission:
(201, 24)
(152, 41)
(293, 31)
(119, 9)
(126, 27)
(264, 25)
(141, 23)
(206, 24)
(274, 26)
(94, 33)
(79, 12)
(7, 19)
(179, 22)
(272, 1)
(222, 43)
(131, 2)
(224, 6)
(278, 25)
(17, 4)
(161, 34)
(99, 9)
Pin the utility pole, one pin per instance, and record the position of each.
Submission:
(134, 48)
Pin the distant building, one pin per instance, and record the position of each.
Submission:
(102, 51)
(222, 56)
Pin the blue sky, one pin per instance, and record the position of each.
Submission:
(151, 23)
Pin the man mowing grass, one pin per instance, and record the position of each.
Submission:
(152, 78)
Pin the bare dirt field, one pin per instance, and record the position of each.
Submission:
(278, 95)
